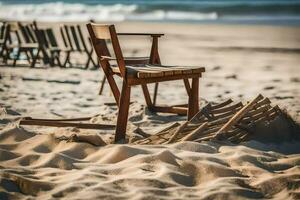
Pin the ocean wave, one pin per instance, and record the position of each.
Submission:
(186, 11)
(81, 12)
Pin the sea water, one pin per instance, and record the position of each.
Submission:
(281, 12)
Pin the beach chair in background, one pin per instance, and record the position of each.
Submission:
(26, 43)
(47, 40)
(5, 39)
(139, 74)
(75, 42)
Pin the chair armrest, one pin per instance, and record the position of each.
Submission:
(143, 34)
(107, 58)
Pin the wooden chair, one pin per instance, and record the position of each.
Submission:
(5, 39)
(139, 74)
(75, 42)
(27, 43)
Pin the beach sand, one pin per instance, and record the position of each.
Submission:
(241, 61)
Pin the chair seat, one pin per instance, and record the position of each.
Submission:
(151, 71)
(24, 46)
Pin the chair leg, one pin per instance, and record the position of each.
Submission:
(90, 59)
(102, 85)
(17, 57)
(67, 59)
(28, 57)
(6, 55)
(194, 98)
(58, 59)
(155, 93)
(34, 58)
(187, 86)
(123, 113)
(147, 96)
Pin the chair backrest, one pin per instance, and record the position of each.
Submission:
(100, 34)
(65, 33)
(51, 37)
(73, 38)
(27, 34)
(5, 32)
(40, 35)
(2, 30)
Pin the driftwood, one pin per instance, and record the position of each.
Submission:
(225, 121)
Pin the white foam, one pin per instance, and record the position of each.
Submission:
(60, 11)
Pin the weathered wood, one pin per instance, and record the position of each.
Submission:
(195, 133)
(187, 86)
(147, 95)
(57, 120)
(135, 81)
(123, 113)
(226, 109)
(141, 74)
(66, 124)
(102, 85)
(169, 109)
(258, 110)
(178, 130)
(223, 104)
(239, 115)
(194, 99)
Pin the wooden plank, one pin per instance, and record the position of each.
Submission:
(187, 86)
(223, 115)
(75, 38)
(147, 95)
(228, 108)
(239, 115)
(123, 113)
(66, 124)
(170, 109)
(68, 36)
(134, 81)
(178, 130)
(194, 99)
(57, 120)
(258, 110)
(223, 104)
(195, 133)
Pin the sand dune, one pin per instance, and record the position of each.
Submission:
(41, 165)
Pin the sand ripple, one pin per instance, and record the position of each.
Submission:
(40, 165)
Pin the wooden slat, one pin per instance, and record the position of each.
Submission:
(195, 133)
(66, 124)
(57, 120)
(68, 36)
(223, 115)
(178, 130)
(226, 109)
(239, 115)
(258, 110)
(81, 37)
(170, 109)
(75, 38)
(51, 37)
(101, 31)
(220, 105)
(148, 71)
